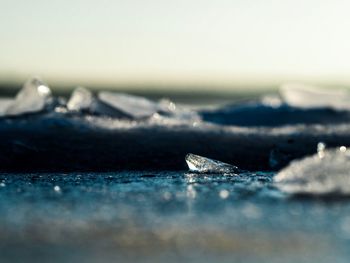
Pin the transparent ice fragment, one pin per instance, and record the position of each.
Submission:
(326, 172)
(80, 100)
(307, 96)
(35, 96)
(133, 106)
(83, 100)
(201, 164)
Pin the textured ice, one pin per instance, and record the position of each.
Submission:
(133, 106)
(201, 164)
(35, 96)
(327, 172)
(80, 100)
(307, 96)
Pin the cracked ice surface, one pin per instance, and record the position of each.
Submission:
(326, 172)
(35, 96)
(201, 164)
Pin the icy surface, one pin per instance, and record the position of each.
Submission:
(165, 217)
(35, 96)
(327, 172)
(307, 96)
(201, 164)
(134, 106)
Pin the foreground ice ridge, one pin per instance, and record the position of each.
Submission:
(35, 96)
(201, 164)
(327, 172)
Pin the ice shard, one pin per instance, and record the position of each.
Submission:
(327, 172)
(307, 97)
(201, 164)
(35, 96)
(133, 106)
(84, 101)
(80, 100)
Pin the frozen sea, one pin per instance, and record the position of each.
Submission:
(166, 216)
(298, 214)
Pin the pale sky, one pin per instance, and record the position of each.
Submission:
(170, 41)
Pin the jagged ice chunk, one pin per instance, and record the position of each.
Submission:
(132, 106)
(201, 164)
(35, 96)
(326, 172)
(80, 100)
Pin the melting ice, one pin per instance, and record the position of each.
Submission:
(326, 172)
(201, 164)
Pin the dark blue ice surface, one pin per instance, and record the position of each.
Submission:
(166, 217)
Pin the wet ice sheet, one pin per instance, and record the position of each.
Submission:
(165, 216)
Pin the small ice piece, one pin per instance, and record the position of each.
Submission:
(133, 106)
(307, 97)
(57, 189)
(35, 96)
(80, 100)
(201, 164)
(168, 105)
(321, 147)
(327, 172)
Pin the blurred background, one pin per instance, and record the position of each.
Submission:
(178, 48)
